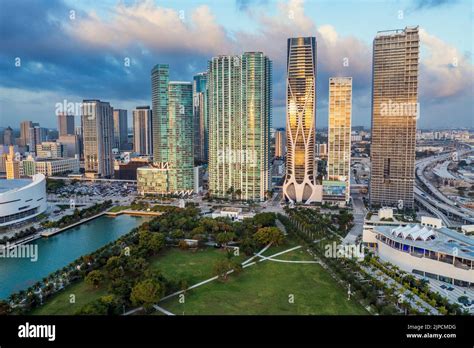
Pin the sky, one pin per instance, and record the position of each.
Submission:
(53, 51)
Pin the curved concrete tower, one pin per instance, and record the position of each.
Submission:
(300, 182)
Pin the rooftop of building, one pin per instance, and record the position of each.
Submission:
(442, 239)
(12, 184)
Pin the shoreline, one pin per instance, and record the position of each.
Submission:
(46, 234)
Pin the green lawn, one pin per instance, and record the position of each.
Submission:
(176, 264)
(60, 304)
(265, 289)
(260, 289)
(118, 208)
(192, 266)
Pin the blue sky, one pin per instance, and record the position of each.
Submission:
(79, 58)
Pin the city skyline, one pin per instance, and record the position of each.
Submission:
(445, 59)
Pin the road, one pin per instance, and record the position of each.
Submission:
(359, 213)
(431, 196)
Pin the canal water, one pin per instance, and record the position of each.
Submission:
(58, 251)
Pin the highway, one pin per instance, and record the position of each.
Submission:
(432, 199)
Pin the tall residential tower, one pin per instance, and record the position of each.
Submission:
(173, 155)
(142, 130)
(98, 137)
(300, 182)
(339, 135)
(239, 125)
(394, 114)
(120, 129)
(201, 135)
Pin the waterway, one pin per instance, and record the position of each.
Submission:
(59, 250)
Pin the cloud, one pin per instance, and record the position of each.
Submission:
(445, 72)
(157, 28)
(428, 4)
(85, 57)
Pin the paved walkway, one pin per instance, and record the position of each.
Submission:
(245, 264)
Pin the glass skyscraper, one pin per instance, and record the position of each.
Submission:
(172, 116)
(240, 95)
(201, 134)
(300, 182)
(394, 113)
(159, 100)
(180, 136)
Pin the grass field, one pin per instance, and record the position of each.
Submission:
(192, 266)
(266, 288)
(60, 303)
(175, 264)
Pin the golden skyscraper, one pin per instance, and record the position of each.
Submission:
(300, 182)
(339, 131)
(394, 114)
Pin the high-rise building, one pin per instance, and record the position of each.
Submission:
(65, 124)
(98, 138)
(180, 136)
(301, 172)
(37, 136)
(8, 136)
(172, 104)
(280, 142)
(394, 113)
(120, 129)
(12, 164)
(71, 145)
(142, 130)
(25, 133)
(159, 100)
(201, 134)
(239, 111)
(339, 131)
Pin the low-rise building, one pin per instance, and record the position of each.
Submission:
(232, 213)
(22, 199)
(49, 166)
(427, 249)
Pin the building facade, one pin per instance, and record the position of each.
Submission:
(159, 100)
(8, 137)
(12, 165)
(201, 132)
(301, 172)
(24, 133)
(120, 129)
(339, 132)
(22, 199)
(239, 100)
(142, 130)
(49, 166)
(280, 143)
(173, 128)
(65, 124)
(394, 114)
(429, 250)
(180, 136)
(50, 149)
(98, 138)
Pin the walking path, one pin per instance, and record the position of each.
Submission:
(245, 264)
(162, 310)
